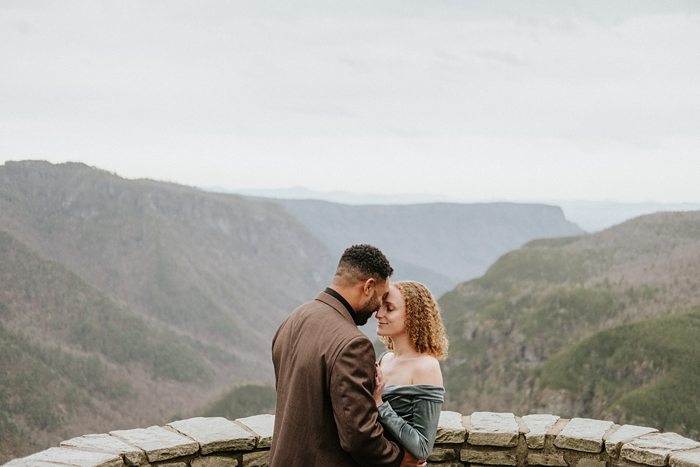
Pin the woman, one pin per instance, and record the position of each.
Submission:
(409, 391)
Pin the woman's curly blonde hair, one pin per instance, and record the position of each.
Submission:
(423, 322)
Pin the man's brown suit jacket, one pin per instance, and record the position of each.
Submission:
(324, 369)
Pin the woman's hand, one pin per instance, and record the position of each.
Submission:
(378, 385)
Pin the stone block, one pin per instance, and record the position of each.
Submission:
(583, 434)
(587, 462)
(216, 434)
(441, 454)
(685, 459)
(214, 461)
(256, 459)
(108, 444)
(26, 462)
(70, 457)
(445, 464)
(159, 443)
(467, 422)
(493, 429)
(623, 434)
(480, 456)
(553, 459)
(262, 426)
(654, 449)
(538, 426)
(450, 428)
(620, 462)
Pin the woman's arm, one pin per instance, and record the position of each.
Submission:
(418, 439)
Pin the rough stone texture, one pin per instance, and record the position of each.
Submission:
(493, 429)
(620, 462)
(108, 444)
(69, 456)
(158, 443)
(450, 428)
(585, 462)
(654, 449)
(554, 459)
(522, 427)
(557, 428)
(583, 434)
(256, 459)
(479, 456)
(214, 461)
(492, 440)
(467, 422)
(216, 434)
(685, 459)
(538, 426)
(624, 434)
(441, 454)
(25, 462)
(262, 426)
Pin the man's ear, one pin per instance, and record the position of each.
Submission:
(369, 284)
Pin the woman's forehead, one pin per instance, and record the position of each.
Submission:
(394, 296)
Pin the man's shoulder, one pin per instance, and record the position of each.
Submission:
(316, 307)
(325, 316)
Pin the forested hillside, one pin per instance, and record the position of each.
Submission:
(123, 302)
(126, 302)
(592, 325)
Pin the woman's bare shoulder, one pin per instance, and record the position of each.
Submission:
(386, 356)
(426, 370)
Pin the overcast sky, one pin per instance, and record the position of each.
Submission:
(476, 100)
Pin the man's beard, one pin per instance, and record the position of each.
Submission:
(365, 313)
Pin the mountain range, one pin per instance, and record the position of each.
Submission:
(130, 302)
(439, 244)
(591, 216)
(161, 295)
(602, 325)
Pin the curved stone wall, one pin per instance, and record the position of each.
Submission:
(481, 439)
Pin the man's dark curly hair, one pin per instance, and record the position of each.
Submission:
(362, 262)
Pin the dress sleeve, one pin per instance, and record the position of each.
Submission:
(418, 438)
(354, 409)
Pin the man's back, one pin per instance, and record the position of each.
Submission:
(325, 416)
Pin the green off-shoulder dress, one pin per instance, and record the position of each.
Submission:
(410, 414)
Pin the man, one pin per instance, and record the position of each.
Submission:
(324, 369)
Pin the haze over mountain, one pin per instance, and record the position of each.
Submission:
(134, 301)
(439, 244)
(592, 216)
(601, 325)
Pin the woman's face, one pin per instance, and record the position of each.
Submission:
(391, 317)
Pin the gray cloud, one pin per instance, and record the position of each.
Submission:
(585, 72)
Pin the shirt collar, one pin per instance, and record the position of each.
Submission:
(342, 300)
